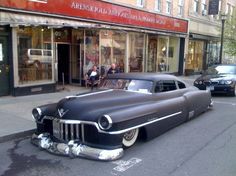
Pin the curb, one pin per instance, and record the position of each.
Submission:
(16, 135)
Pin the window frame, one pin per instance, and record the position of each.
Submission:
(158, 5)
(140, 3)
(169, 6)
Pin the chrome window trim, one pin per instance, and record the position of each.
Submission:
(114, 132)
(88, 94)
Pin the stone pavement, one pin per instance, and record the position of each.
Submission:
(15, 112)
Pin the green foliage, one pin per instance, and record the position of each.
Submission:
(230, 35)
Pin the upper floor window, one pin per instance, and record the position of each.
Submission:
(168, 6)
(195, 6)
(228, 9)
(220, 6)
(158, 5)
(140, 3)
(181, 7)
(204, 8)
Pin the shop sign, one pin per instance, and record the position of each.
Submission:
(102, 12)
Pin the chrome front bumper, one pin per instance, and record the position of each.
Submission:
(74, 148)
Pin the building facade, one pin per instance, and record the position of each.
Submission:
(40, 49)
(42, 45)
(203, 48)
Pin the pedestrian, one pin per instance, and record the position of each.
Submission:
(113, 69)
(93, 77)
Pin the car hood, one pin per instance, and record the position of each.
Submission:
(91, 106)
(216, 77)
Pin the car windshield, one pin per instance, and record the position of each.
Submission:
(142, 86)
(221, 69)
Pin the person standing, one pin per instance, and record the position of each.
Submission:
(113, 69)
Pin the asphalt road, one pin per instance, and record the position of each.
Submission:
(205, 146)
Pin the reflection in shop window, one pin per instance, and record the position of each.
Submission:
(91, 49)
(136, 44)
(113, 49)
(34, 55)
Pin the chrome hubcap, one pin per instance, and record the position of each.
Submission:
(129, 135)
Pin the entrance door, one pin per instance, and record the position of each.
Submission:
(4, 67)
(63, 56)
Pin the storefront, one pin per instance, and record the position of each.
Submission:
(203, 51)
(62, 46)
(6, 71)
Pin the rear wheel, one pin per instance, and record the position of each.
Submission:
(130, 138)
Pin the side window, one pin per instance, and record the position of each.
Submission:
(165, 85)
(181, 85)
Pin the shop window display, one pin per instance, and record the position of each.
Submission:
(136, 44)
(173, 54)
(77, 56)
(113, 49)
(91, 49)
(34, 55)
(195, 56)
(162, 64)
(152, 54)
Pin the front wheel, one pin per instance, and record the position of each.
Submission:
(130, 138)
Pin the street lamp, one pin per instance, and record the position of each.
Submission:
(223, 18)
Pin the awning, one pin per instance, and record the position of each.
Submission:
(15, 19)
(22, 19)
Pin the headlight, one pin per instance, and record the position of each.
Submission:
(225, 82)
(228, 82)
(198, 82)
(105, 122)
(36, 113)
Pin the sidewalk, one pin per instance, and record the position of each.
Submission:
(15, 112)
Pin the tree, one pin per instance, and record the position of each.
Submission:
(230, 35)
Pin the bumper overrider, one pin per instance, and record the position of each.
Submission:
(75, 148)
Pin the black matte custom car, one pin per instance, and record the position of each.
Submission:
(99, 124)
(218, 79)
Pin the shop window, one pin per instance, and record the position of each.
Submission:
(34, 55)
(194, 62)
(167, 54)
(91, 49)
(162, 57)
(213, 50)
(136, 48)
(152, 54)
(77, 56)
(113, 49)
(173, 54)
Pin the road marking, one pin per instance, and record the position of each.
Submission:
(123, 165)
(222, 102)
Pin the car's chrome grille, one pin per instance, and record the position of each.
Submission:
(66, 131)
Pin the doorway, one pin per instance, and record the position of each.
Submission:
(63, 57)
(4, 68)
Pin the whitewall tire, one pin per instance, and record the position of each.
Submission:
(130, 138)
